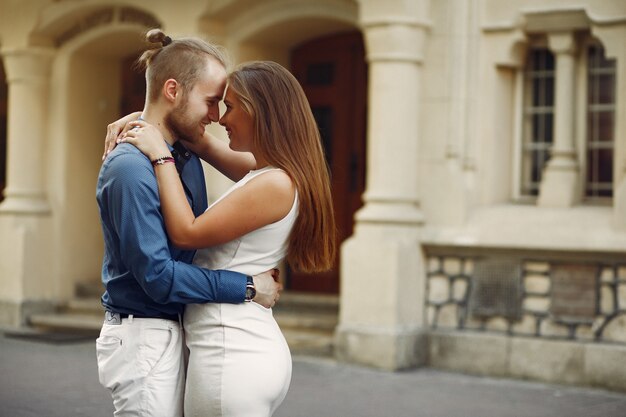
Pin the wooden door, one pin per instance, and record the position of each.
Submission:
(333, 73)
(133, 87)
(3, 130)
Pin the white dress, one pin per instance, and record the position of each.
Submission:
(239, 361)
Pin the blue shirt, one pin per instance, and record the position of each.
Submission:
(142, 272)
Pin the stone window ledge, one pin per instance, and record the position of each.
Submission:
(581, 229)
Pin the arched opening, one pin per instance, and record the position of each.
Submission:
(333, 72)
(87, 92)
(3, 130)
(95, 89)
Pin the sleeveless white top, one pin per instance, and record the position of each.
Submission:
(256, 252)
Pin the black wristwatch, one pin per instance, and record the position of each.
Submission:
(250, 290)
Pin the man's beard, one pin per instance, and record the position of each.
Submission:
(181, 126)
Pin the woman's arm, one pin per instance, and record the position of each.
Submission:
(214, 151)
(217, 153)
(264, 200)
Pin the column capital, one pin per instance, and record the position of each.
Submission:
(562, 42)
(394, 42)
(394, 30)
(27, 64)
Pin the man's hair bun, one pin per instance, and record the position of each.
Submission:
(157, 36)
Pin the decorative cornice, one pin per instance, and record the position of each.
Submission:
(563, 20)
(521, 21)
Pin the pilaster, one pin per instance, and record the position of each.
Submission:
(25, 219)
(28, 77)
(382, 274)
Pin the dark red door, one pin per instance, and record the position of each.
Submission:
(333, 73)
(133, 87)
(3, 130)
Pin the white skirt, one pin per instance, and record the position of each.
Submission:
(239, 361)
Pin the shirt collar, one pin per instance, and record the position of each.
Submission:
(181, 155)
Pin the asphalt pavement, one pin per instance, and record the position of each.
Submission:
(45, 377)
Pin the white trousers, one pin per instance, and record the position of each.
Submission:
(239, 362)
(141, 362)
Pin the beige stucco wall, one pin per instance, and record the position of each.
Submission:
(468, 143)
(442, 136)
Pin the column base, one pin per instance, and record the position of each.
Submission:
(383, 348)
(25, 205)
(559, 187)
(27, 266)
(382, 298)
(16, 313)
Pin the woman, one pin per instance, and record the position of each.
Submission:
(239, 362)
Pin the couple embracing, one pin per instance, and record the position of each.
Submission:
(167, 253)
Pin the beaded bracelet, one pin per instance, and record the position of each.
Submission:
(162, 160)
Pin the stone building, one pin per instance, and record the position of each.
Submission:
(478, 151)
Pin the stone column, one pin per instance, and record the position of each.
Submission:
(28, 74)
(560, 182)
(382, 274)
(26, 285)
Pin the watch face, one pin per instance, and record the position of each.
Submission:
(250, 293)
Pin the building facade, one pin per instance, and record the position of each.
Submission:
(478, 152)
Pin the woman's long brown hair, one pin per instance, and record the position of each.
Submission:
(286, 135)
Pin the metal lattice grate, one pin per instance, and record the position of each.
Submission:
(496, 288)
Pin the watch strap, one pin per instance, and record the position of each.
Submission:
(250, 289)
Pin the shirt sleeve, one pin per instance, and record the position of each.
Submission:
(134, 209)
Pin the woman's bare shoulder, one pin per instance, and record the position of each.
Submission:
(275, 183)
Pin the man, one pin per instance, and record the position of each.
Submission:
(147, 280)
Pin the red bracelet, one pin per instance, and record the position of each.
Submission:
(163, 160)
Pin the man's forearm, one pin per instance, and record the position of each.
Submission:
(189, 284)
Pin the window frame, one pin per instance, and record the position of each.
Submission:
(582, 127)
(580, 120)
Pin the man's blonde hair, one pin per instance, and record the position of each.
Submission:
(181, 59)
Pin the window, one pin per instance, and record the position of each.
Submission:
(538, 120)
(538, 117)
(600, 123)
